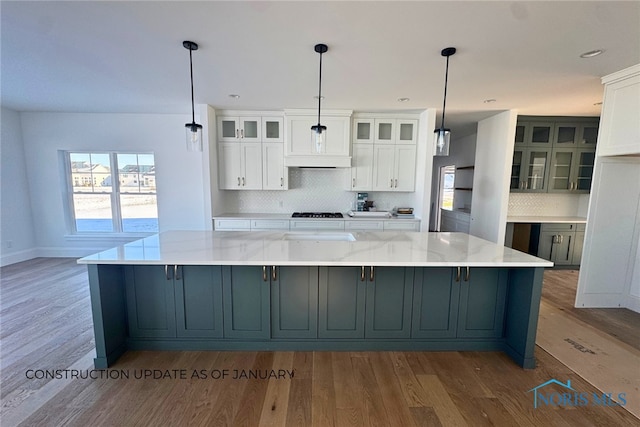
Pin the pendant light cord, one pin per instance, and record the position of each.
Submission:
(319, 88)
(444, 101)
(193, 113)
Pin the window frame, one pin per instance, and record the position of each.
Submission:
(114, 196)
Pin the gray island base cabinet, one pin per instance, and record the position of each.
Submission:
(351, 308)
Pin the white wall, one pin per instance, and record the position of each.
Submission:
(494, 153)
(17, 236)
(183, 197)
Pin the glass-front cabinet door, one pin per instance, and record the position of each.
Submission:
(536, 170)
(384, 131)
(585, 159)
(566, 134)
(247, 129)
(363, 131)
(516, 171)
(588, 135)
(407, 131)
(560, 175)
(540, 134)
(522, 129)
(272, 128)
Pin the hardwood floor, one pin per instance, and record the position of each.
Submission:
(46, 325)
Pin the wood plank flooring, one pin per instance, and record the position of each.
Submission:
(45, 323)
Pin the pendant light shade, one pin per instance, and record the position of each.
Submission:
(193, 129)
(442, 135)
(318, 132)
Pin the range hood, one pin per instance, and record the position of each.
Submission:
(299, 150)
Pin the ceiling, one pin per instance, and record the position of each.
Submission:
(128, 56)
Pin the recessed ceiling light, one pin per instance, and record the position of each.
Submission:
(489, 101)
(403, 99)
(234, 96)
(591, 53)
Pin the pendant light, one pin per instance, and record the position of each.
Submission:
(442, 134)
(318, 132)
(193, 130)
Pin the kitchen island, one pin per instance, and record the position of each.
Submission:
(207, 290)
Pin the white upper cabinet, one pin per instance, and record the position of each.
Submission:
(274, 174)
(394, 167)
(361, 168)
(396, 131)
(240, 166)
(235, 129)
(363, 130)
(272, 129)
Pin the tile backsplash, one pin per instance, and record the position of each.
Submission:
(310, 190)
(548, 204)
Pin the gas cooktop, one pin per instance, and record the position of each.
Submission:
(316, 215)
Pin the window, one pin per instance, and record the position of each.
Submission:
(102, 202)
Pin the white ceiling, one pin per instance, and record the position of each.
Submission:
(128, 56)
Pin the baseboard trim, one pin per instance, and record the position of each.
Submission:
(19, 256)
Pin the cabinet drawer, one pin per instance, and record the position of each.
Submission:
(558, 227)
(270, 224)
(363, 225)
(232, 224)
(316, 225)
(402, 225)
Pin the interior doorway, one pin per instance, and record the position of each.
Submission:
(445, 191)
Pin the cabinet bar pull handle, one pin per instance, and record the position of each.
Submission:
(371, 273)
(274, 274)
(362, 273)
(166, 272)
(466, 279)
(354, 182)
(237, 133)
(264, 273)
(175, 273)
(243, 181)
(568, 248)
(241, 133)
(391, 183)
(458, 275)
(281, 182)
(396, 183)
(238, 181)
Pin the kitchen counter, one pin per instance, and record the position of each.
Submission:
(283, 248)
(280, 291)
(547, 219)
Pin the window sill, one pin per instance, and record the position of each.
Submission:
(106, 237)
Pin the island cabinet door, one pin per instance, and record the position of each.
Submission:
(388, 302)
(294, 302)
(483, 294)
(341, 300)
(246, 295)
(435, 303)
(199, 301)
(150, 301)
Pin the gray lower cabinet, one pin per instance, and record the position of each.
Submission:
(561, 243)
(365, 302)
(435, 303)
(246, 298)
(388, 302)
(294, 302)
(198, 293)
(150, 301)
(341, 302)
(482, 302)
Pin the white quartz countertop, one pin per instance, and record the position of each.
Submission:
(384, 248)
(548, 219)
